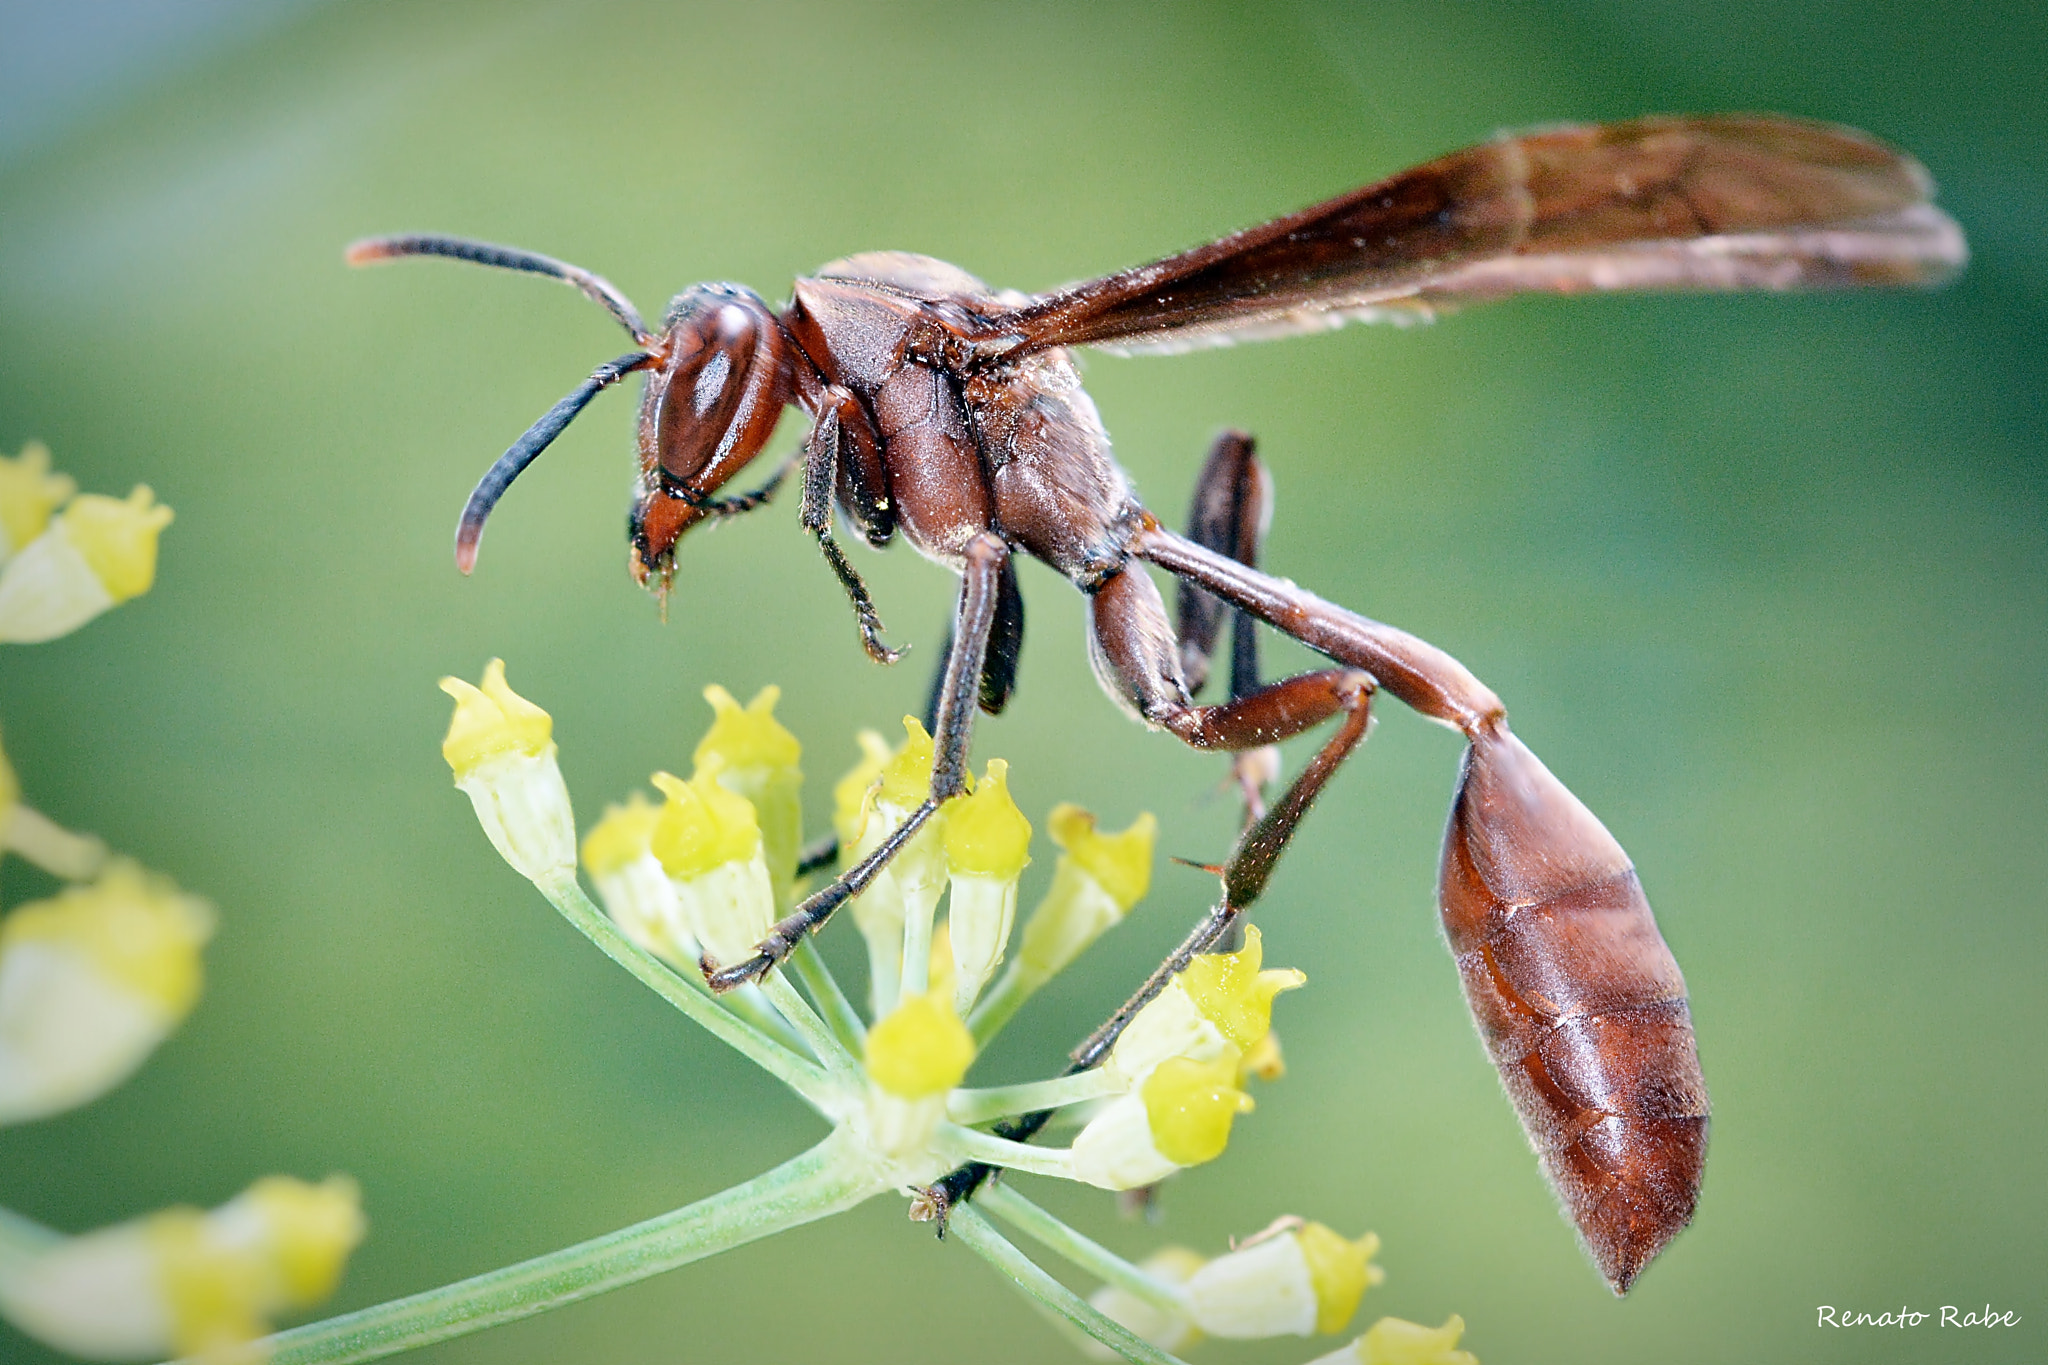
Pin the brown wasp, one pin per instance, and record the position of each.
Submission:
(953, 414)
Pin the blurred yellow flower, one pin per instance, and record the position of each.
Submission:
(186, 1282)
(91, 981)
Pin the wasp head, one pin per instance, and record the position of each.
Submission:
(718, 383)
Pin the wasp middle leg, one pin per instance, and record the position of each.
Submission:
(974, 621)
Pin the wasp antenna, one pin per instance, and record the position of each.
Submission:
(373, 249)
(527, 449)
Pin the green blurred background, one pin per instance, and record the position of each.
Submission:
(1765, 580)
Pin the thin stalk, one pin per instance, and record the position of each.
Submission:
(919, 912)
(969, 1144)
(825, 1180)
(840, 1015)
(50, 846)
(998, 1101)
(1098, 1260)
(885, 967)
(793, 1071)
(793, 1007)
(755, 1011)
(983, 1240)
(1003, 1000)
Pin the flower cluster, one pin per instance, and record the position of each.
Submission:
(703, 875)
(93, 979)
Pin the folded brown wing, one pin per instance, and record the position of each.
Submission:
(1715, 202)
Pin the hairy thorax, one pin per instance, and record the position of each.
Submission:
(1016, 448)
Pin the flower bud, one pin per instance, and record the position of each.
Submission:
(917, 1053)
(1293, 1280)
(1170, 1332)
(1219, 1003)
(100, 552)
(709, 843)
(90, 982)
(500, 748)
(759, 760)
(631, 882)
(1180, 1116)
(29, 493)
(1098, 879)
(185, 1282)
(1395, 1341)
(987, 846)
(920, 1049)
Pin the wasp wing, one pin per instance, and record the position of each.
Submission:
(1731, 201)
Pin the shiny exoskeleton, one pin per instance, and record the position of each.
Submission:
(952, 415)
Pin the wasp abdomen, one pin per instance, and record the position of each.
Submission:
(1579, 1003)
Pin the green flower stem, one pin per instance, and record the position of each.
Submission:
(830, 1178)
(917, 944)
(1003, 1000)
(750, 1009)
(972, 1145)
(979, 1106)
(840, 1015)
(50, 846)
(1013, 1208)
(984, 1241)
(793, 1071)
(786, 998)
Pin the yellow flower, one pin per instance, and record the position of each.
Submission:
(1220, 1003)
(987, 845)
(758, 759)
(91, 981)
(100, 552)
(1294, 1279)
(986, 835)
(907, 776)
(917, 1053)
(182, 1281)
(500, 748)
(702, 825)
(1098, 879)
(630, 881)
(1181, 1116)
(1394, 1341)
(492, 721)
(29, 493)
(1233, 994)
(921, 1049)
(1120, 863)
(709, 842)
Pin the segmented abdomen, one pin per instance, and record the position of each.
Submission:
(1579, 1003)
